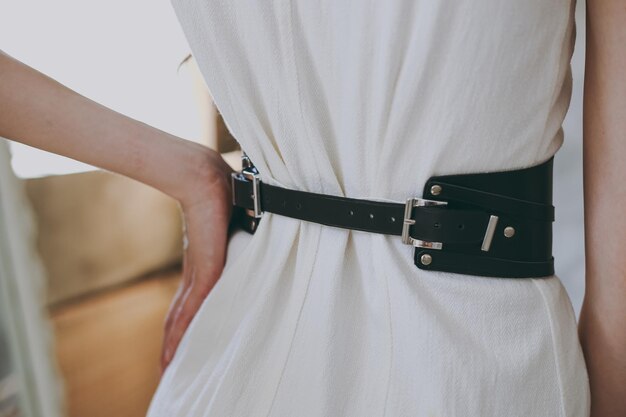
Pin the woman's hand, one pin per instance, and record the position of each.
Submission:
(40, 112)
(206, 215)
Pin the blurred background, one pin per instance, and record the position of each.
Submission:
(90, 260)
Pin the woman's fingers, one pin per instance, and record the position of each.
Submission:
(170, 321)
(188, 306)
(176, 301)
(174, 311)
(193, 290)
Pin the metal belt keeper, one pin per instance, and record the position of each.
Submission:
(495, 224)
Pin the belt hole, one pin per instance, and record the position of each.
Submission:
(298, 206)
(461, 226)
(392, 219)
(436, 225)
(371, 215)
(351, 212)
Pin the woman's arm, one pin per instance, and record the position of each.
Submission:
(602, 326)
(40, 112)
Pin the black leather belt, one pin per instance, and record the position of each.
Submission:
(496, 224)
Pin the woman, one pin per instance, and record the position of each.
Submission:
(309, 320)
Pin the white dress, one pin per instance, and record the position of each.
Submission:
(368, 99)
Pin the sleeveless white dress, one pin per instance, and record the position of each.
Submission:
(368, 99)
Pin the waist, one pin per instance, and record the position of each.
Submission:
(490, 223)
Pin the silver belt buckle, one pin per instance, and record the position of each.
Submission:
(256, 195)
(408, 222)
(252, 176)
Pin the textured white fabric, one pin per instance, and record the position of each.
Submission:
(368, 99)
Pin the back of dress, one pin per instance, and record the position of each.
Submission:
(368, 99)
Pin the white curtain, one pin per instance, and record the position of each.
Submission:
(28, 371)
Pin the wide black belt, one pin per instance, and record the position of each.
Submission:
(496, 224)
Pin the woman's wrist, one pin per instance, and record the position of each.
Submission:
(204, 175)
(186, 171)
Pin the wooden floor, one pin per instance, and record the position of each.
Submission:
(108, 347)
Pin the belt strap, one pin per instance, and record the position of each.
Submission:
(450, 225)
(491, 224)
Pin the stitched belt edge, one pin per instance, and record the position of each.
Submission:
(459, 228)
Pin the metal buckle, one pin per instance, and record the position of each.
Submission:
(250, 174)
(256, 195)
(408, 221)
